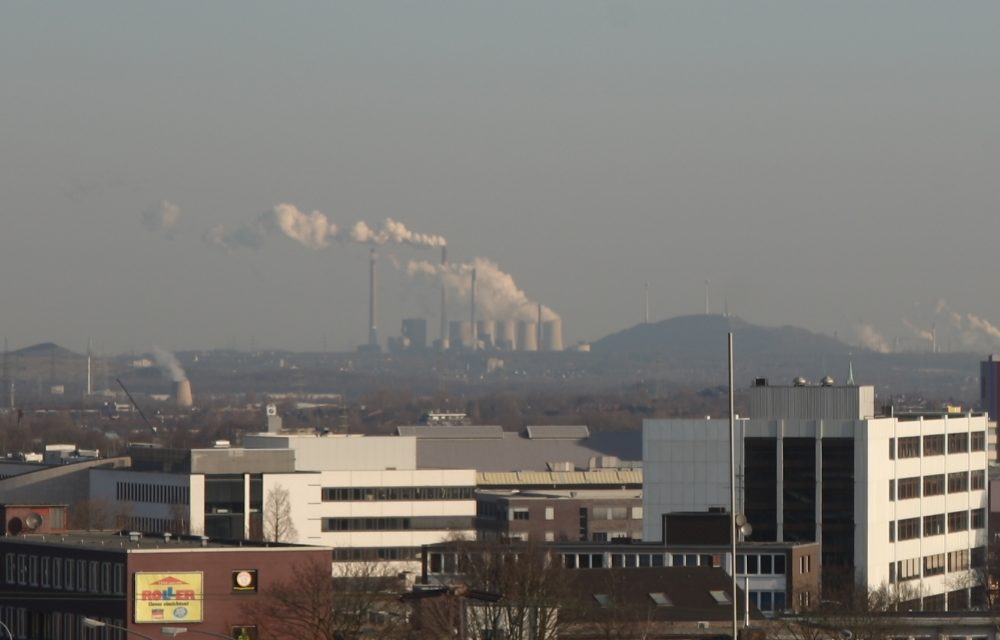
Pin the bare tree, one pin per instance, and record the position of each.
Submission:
(316, 606)
(857, 612)
(278, 523)
(91, 514)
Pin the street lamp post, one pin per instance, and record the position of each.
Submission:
(97, 624)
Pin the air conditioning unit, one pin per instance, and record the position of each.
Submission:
(32, 521)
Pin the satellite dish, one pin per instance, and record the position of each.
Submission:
(746, 530)
(32, 521)
(741, 519)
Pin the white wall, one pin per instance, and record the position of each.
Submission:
(342, 452)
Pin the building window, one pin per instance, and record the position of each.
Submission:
(779, 565)
(892, 531)
(958, 442)
(892, 490)
(550, 513)
(958, 560)
(958, 521)
(977, 479)
(934, 485)
(958, 482)
(934, 445)
(908, 447)
(934, 564)
(57, 566)
(519, 514)
(977, 557)
(908, 488)
(978, 518)
(892, 448)
(933, 525)
(908, 569)
(908, 529)
(978, 439)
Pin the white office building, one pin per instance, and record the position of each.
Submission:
(898, 500)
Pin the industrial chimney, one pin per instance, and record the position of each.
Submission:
(472, 310)
(372, 332)
(444, 300)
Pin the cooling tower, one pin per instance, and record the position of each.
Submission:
(552, 336)
(505, 335)
(527, 335)
(444, 303)
(460, 334)
(486, 332)
(182, 393)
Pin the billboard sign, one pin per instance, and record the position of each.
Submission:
(169, 597)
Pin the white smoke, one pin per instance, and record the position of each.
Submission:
(395, 232)
(163, 218)
(973, 329)
(316, 231)
(497, 295)
(872, 339)
(923, 334)
(168, 364)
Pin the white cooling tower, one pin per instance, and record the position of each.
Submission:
(182, 393)
(505, 335)
(552, 336)
(527, 335)
(460, 334)
(486, 332)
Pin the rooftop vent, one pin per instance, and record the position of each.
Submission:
(760, 382)
(827, 381)
(799, 382)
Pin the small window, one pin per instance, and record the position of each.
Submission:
(550, 513)
(602, 599)
(779, 565)
(660, 599)
(720, 597)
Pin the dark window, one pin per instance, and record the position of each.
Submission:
(934, 485)
(958, 442)
(908, 488)
(892, 490)
(908, 529)
(978, 518)
(892, 448)
(977, 479)
(908, 447)
(978, 439)
(958, 521)
(520, 514)
(934, 564)
(958, 482)
(892, 531)
(752, 566)
(977, 557)
(934, 525)
(779, 565)
(934, 445)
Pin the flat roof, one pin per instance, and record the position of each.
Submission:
(118, 540)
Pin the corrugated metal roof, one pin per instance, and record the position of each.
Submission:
(558, 431)
(456, 432)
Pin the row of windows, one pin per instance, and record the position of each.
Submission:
(935, 445)
(935, 525)
(937, 564)
(355, 554)
(425, 523)
(384, 494)
(937, 484)
(760, 564)
(768, 601)
(47, 572)
(159, 493)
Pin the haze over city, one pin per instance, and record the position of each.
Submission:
(213, 175)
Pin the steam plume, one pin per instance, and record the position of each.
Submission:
(168, 364)
(395, 232)
(872, 339)
(983, 325)
(923, 334)
(497, 295)
(971, 327)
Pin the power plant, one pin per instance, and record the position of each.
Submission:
(182, 393)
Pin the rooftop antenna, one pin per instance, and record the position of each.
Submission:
(850, 372)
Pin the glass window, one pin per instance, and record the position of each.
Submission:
(958, 442)
(934, 445)
(765, 564)
(958, 482)
(934, 485)
(752, 565)
(779, 566)
(908, 447)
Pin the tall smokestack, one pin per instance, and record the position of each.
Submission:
(472, 309)
(372, 332)
(646, 295)
(444, 300)
(90, 388)
(933, 339)
(538, 326)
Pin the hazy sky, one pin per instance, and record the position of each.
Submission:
(829, 165)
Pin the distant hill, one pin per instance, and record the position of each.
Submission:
(46, 350)
(705, 336)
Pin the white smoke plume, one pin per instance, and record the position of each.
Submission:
(923, 334)
(316, 231)
(971, 327)
(393, 231)
(168, 364)
(497, 295)
(872, 339)
(163, 218)
(984, 326)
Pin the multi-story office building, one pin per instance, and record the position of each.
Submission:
(597, 515)
(898, 500)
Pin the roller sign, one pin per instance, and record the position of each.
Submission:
(169, 597)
